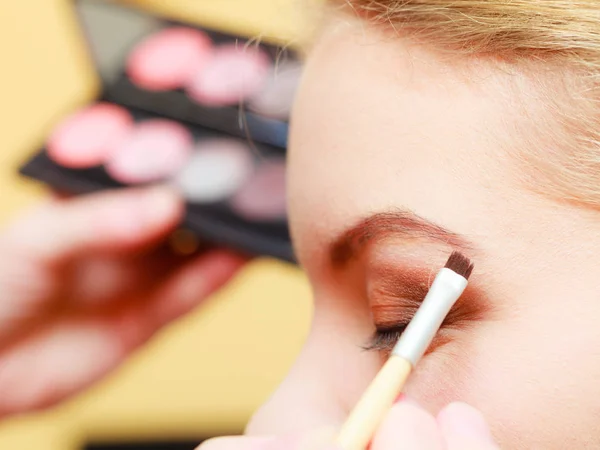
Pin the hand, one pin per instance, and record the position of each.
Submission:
(407, 427)
(82, 285)
(456, 427)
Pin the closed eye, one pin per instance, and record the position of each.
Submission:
(384, 339)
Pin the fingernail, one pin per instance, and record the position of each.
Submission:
(467, 421)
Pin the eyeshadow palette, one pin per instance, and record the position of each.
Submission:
(204, 111)
(190, 73)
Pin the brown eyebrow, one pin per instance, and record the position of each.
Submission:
(404, 224)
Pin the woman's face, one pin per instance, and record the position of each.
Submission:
(396, 159)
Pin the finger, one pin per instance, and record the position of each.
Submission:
(318, 439)
(190, 285)
(193, 283)
(62, 358)
(98, 281)
(104, 221)
(56, 362)
(236, 443)
(314, 440)
(32, 292)
(408, 427)
(465, 428)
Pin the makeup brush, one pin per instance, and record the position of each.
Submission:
(367, 415)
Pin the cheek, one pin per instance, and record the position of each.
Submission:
(447, 374)
(535, 382)
(538, 383)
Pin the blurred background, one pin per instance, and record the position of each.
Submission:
(203, 376)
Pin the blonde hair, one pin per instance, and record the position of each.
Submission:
(559, 38)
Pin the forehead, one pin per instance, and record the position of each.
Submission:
(380, 125)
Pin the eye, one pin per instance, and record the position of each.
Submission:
(394, 295)
(384, 339)
(393, 300)
(391, 320)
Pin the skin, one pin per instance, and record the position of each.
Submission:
(457, 427)
(381, 124)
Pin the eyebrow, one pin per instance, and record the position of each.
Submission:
(403, 224)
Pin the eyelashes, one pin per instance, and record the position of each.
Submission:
(384, 339)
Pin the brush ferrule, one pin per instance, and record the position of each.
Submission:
(446, 289)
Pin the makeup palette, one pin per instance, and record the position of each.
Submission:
(204, 111)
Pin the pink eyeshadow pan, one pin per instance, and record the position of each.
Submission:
(88, 137)
(154, 150)
(263, 197)
(168, 59)
(233, 74)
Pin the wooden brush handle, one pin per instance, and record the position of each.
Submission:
(377, 400)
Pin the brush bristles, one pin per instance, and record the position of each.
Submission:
(460, 264)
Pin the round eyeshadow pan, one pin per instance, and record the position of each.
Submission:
(233, 74)
(166, 60)
(263, 197)
(215, 171)
(88, 137)
(154, 150)
(276, 98)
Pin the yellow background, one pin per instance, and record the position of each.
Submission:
(207, 373)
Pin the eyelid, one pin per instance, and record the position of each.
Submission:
(394, 301)
(395, 295)
(393, 312)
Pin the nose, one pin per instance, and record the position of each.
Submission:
(327, 379)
